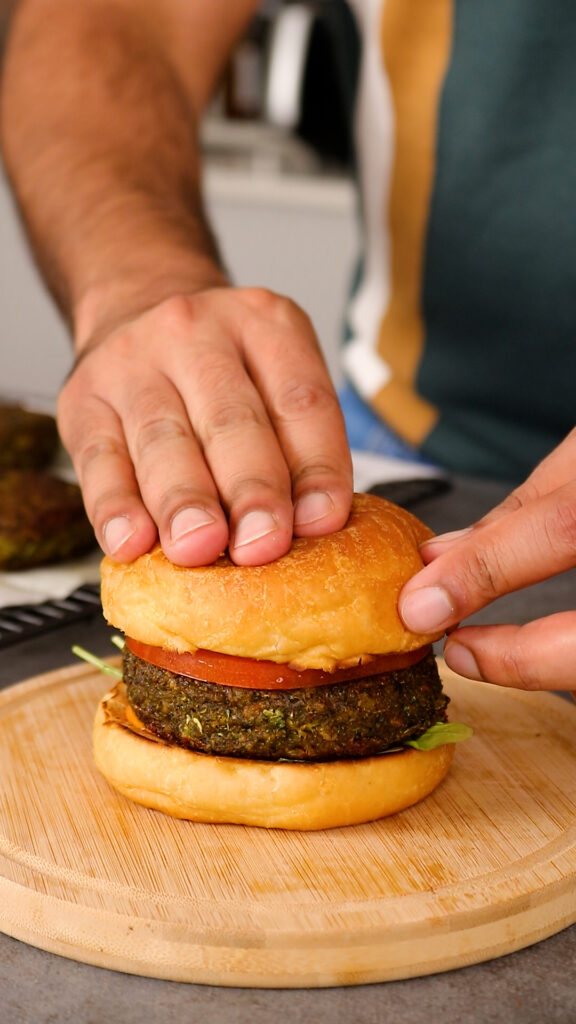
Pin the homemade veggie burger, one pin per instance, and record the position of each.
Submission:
(284, 695)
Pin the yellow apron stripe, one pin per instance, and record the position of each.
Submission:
(416, 41)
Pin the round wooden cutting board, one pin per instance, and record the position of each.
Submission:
(484, 866)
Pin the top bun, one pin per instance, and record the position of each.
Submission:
(330, 601)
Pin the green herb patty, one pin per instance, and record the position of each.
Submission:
(42, 520)
(353, 719)
(28, 440)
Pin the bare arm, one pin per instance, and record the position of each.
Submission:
(100, 143)
(198, 411)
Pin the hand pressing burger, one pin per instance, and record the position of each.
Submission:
(285, 695)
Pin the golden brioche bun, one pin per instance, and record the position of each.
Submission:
(328, 602)
(268, 794)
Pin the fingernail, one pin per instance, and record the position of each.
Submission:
(312, 507)
(188, 520)
(116, 532)
(427, 610)
(254, 526)
(461, 660)
(449, 538)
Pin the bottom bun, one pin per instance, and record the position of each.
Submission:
(268, 794)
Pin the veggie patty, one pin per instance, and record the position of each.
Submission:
(358, 718)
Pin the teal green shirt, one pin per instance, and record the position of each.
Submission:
(463, 326)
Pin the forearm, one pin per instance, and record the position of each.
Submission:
(208, 423)
(103, 161)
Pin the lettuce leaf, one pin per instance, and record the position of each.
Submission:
(440, 733)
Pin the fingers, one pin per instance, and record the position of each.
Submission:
(202, 422)
(285, 362)
(95, 441)
(123, 523)
(239, 444)
(471, 570)
(540, 655)
(266, 416)
(523, 542)
(174, 481)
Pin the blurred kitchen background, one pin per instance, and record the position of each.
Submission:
(278, 187)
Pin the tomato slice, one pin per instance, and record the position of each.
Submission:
(253, 674)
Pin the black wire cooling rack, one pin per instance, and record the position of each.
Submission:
(21, 622)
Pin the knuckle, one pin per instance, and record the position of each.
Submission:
(512, 503)
(482, 575)
(119, 345)
(300, 398)
(264, 300)
(107, 502)
(156, 431)
(161, 428)
(175, 497)
(270, 305)
(240, 485)
(230, 417)
(516, 668)
(225, 404)
(177, 312)
(316, 470)
(560, 528)
(100, 447)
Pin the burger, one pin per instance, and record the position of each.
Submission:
(287, 695)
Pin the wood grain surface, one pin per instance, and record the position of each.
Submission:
(484, 866)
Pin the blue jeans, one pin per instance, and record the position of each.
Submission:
(368, 433)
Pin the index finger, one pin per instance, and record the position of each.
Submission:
(515, 551)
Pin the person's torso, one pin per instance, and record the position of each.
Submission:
(462, 328)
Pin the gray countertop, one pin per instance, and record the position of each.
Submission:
(536, 984)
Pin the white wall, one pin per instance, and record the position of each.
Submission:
(34, 348)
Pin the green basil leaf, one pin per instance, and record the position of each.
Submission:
(441, 733)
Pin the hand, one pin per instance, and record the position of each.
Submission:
(529, 537)
(208, 420)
